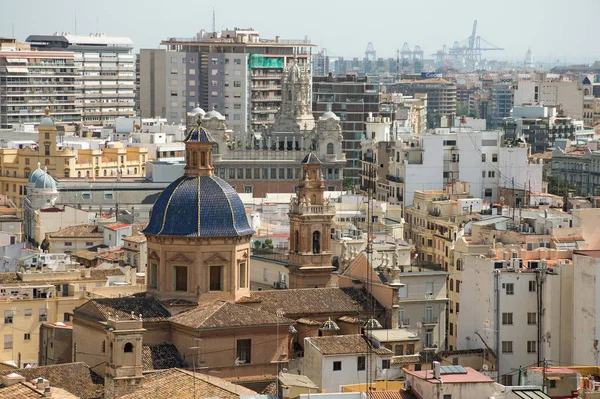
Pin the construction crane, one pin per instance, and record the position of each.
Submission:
(467, 53)
(370, 53)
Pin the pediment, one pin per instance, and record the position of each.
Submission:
(179, 257)
(154, 256)
(216, 258)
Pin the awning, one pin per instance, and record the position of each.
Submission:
(554, 378)
(531, 394)
(16, 60)
(16, 69)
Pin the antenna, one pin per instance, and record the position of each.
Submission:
(214, 23)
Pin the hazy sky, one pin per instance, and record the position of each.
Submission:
(553, 29)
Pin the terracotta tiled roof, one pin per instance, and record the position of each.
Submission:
(81, 231)
(19, 391)
(181, 384)
(135, 238)
(305, 301)
(345, 345)
(103, 274)
(407, 359)
(308, 322)
(385, 395)
(102, 309)
(76, 378)
(86, 254)
(270, 389)
(220, 314)
(9, 277)
(161, 356)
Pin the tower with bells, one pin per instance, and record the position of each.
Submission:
(311, 217)
(123, 373)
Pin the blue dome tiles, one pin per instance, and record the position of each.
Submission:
(204, 206)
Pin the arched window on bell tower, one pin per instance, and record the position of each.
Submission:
(316, 242)
(296, 241)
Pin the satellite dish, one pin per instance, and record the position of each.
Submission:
(485, 367)
(419, 324)
(501, 199)
(487, 322)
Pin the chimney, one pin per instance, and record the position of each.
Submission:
(47, 392)
(41, 384)
(87, 272)
(11, 379)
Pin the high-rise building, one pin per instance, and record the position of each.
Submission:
(502, 103)
(32, 80)
(235, 72)
(352, 98)
(106, 78)
(441, 96)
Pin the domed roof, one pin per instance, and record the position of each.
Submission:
(311, 159)
(330, 325)
(214, 114)
(35, 175)
(46, 120)
(199, 206)
(199, 135)
(329, 115)
(197, 111)
(45, 181)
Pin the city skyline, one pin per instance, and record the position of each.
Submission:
(333, 27)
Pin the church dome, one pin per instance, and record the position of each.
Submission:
(35, 175)
(329, 115)
(197, 111)
(45, 181)
(214, 114)
(199, 206)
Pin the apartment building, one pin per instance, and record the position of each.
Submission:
(28, 299)
(578, 166)
(502, 102)
(30, 81)
(441, 96)
(234, 71)
(352, 98)
(396, 166)
(105, 73)
(549, 90)
(408, 113)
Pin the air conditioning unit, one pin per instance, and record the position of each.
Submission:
(429, 295)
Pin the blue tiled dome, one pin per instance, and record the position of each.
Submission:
(45, 181)
(35, 175)
(199, 135)
(199, 206)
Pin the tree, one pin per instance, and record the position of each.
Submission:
(462, 109)
(257, 244)
(268, 244)
(348, 184)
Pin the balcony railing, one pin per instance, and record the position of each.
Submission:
(430, 320)
(317, 209)
(404, 323)
(395, 179)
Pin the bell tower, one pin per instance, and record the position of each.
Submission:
(311, 216)
(124, 367)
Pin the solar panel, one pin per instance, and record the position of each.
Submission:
(452, 370)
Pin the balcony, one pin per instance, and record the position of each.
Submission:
(302, 209)
(404, 323)
(430, 321)
(395, 179)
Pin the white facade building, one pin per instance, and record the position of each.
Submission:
(333, 361)
(499, 311)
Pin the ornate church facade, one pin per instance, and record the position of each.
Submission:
(269, 161)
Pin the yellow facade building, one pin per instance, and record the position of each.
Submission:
(113, 162)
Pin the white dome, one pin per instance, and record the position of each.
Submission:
(329, 115)
(214, 114)
(197, 111)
